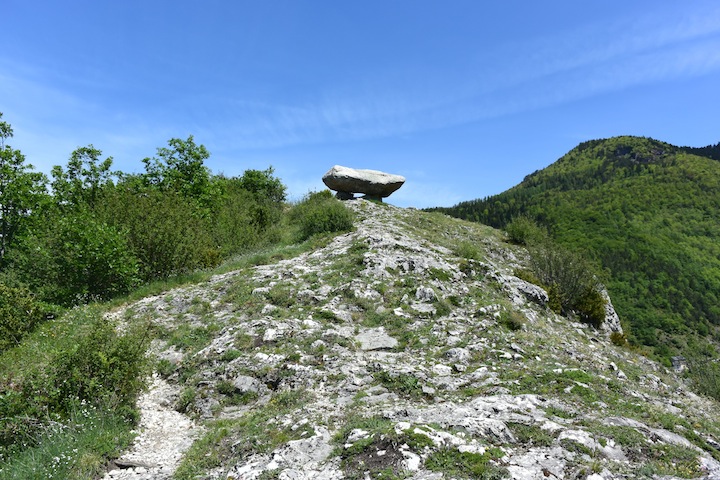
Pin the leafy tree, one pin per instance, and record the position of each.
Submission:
(181, 168)
(83, 179)
(263, 185)
(22, 191)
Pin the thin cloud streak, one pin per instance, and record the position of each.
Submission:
(562, 69)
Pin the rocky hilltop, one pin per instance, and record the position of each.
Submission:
(404, 349)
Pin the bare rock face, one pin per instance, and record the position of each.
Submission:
(373, 183)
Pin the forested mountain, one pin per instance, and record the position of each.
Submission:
(647, 212)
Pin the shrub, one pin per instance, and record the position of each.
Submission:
(570, 282)
(704, 372)
(19, 314)
(320, 213)
(511, 319)
(167, 232)
(76, 362)
(468, 250)
(242, 219)
(618, 339)
(101, 367)
(76, 258)
(523, 230)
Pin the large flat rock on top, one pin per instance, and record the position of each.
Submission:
(369, 182)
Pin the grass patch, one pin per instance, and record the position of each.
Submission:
(466, 465)
(672, 460)
(531, 434)
(511, 319)
(192, 339)
(258, 430)
(402, 383)
(77, 448)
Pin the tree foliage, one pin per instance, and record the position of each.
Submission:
(20, 313)
(164, 230)
(181, 168)
(74, 259)
(22, 191)
(100, 232)
(647, 212)
(263, 185)
(84, 178)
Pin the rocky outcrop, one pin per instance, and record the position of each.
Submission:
(387, 353)
(373, 183)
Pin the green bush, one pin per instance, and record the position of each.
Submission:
(77, 362)
(75, 258)
(101, 367)
(523, 230)
(619, 339)
(320, 213)
(19, 314)
(167, 232)
(570, 282)
(243, 219)
(704, 372)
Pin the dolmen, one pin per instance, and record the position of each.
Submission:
(375, 185)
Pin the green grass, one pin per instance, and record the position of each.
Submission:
(257, 429)
(531, 434)
(403, 383)
(466, 465)
(78, 447)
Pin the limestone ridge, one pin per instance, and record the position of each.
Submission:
(408, 349)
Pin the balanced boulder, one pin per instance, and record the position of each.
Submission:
(373, 183)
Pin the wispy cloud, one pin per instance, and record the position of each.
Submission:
(559, 68)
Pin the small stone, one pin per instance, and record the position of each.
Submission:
(268, 309)
(427, 390)
(425, 294)
(442, 370)
(271, 335)
(376, 339)
(458, 354)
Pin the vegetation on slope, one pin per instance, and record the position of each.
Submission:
(644, 209)
(68, 379)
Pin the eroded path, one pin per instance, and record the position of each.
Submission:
(164, 436)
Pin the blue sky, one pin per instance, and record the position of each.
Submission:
(463, 98)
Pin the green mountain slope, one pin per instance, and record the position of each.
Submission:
(648, 212)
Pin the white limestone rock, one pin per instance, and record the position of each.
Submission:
(373, 183)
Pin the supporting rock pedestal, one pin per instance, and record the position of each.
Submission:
(374, 184)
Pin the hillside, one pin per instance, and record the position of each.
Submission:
(647, 212)
(404, 349)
